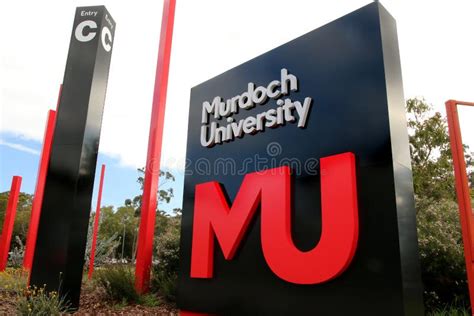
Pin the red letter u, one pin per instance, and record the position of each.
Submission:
(340, 226)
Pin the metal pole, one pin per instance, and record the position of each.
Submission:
(39, 190)
(149, 200)
(462, 190)
(123, 240)
(96, 223)
(9, 221)
(134, 251)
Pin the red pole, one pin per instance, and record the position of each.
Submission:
(38, 197)
(9, 221)
(96, 223)
(462, 190)
(39, 190)
(149, 201)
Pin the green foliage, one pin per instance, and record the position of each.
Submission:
(14, 280)
(118, 283)
(165, 192)
(119, 286)
(433, 174)
(105, 246)
(20, 227)
(124, 221)
(17, 252)
(23, 212)
(164, 283)
(120, 305)
(123, 224)
(450, 310)
(165, 273)
(38, 302)
(442, 254)
(439, 232)
(167, 249)
(150, 300)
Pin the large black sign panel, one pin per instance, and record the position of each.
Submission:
(62, 232)
(334, 91)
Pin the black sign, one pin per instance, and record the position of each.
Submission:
(338, 236)
(62, 231)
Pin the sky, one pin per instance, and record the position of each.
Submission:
(210, 37)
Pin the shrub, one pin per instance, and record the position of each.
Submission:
(13, 280)
(165, 273)
(442, 255)
(118, 283)
(150, 300)
(38, 302)
(105, 246)
(450, 311)
(165, 283)
(15, 258)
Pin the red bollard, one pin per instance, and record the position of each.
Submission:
(96, 224)
(152, 170)
(9, 221)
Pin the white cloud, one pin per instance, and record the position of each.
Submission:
(20, 147)
(210, 37)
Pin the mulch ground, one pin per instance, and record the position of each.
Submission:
(93, 303)
(7, 302)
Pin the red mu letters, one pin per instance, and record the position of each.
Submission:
(271, 189)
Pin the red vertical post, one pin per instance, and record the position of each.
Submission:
(9, 221)
(39, 190)
(462, 190)
(38, 197)
(96, 223)
(150, 190)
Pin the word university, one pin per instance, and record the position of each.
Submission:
(286, 111)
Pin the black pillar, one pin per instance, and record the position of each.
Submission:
(62, 232)
(350, 68)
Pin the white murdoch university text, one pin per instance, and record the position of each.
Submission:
(286, 110)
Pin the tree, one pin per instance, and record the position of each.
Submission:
(105, 246)
(165, 273)
(124, 221)
(23, 213)
(439, 231)
(165, 194)
(121, 223)
(433, 175)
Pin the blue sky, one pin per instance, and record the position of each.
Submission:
(20, 157)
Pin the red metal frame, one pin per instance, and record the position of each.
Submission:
(96, 223)
(40, 182)
(462, 189)
(150, 190)
(9, 221)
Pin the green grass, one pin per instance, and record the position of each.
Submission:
(450, 311)
(13, 280)
(118, 283)
(38, 302)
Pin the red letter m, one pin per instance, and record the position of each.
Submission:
(271, 189)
